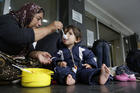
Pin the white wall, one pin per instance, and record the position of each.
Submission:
(106, 18)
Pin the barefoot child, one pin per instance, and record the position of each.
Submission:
(75, 63)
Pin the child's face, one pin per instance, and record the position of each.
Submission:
(71, 39)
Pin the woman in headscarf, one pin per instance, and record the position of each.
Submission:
(18, 30)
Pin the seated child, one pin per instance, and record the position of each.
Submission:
(74, 63)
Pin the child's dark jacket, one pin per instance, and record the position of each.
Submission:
(79, 55)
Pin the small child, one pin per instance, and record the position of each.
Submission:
(74, 63)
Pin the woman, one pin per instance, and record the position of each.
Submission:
(19, 29)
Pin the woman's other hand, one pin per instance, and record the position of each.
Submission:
(42, 56)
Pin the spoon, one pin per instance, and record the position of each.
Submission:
(64, 35)
(21, 68)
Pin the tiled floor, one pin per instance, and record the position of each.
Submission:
(113, 87)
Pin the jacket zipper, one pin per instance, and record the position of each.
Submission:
(75, 67)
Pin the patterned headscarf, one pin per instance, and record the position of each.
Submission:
(26, 13)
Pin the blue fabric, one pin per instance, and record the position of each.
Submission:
(102, 50)
(88, 57)
(87, 76)
(61, 74)
(83, 75)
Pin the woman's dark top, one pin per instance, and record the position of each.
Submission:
(50, 43)
(13, 37)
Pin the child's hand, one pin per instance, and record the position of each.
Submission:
(62, 64)
(87, 66)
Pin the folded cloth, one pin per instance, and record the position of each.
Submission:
(113, 70)
(8, 72)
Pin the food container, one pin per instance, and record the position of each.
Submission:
(36, 77)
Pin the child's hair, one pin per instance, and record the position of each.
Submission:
(76, 31)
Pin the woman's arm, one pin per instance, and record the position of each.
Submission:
(43, 31)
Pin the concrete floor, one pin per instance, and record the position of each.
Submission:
(113, 87)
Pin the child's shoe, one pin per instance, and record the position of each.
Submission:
(131, 77)
(125, 77)
(122, 77)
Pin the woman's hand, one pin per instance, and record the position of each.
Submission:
(62, 64)
(56, 25)
(43, 57)
(41, 32)
(87, 66)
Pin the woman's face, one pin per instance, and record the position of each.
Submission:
(36, 21)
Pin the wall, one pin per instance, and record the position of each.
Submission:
(66, 8)
(106, 18)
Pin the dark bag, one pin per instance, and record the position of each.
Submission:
(133, 60)
(8, 72)
(123, 69)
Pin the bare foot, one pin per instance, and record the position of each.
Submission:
(70, 80)
(105, 72)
